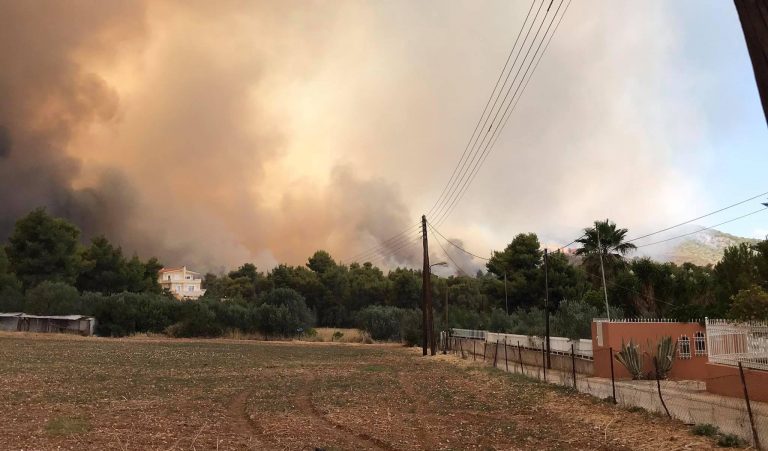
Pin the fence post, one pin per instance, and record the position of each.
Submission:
(461, 348)
(495, 352)
(749, 408)
(544, 361)
(473, 349)
(520, 355)
(573, 365)
(506, 362)
(658, 385)
(444, 335)
(485, 348)
(613, 377)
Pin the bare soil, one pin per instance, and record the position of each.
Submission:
(62, 392)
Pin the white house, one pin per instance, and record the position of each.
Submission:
(183, 283)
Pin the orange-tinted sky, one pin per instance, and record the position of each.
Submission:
(213, 133)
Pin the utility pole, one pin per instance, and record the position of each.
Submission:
(426, 294)
(602, 271)
(546, 304)
(506, 299)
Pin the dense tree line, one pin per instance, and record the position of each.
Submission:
(45, 269)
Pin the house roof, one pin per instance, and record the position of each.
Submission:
(164, 270)
(63, 317)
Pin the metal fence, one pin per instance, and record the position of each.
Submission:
(731, 418)
(469, 333)
(731, 343)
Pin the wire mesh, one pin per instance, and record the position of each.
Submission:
(687, 401)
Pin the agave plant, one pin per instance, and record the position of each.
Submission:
(630, 357)
(666, 350)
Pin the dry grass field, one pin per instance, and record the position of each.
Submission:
(64, 392)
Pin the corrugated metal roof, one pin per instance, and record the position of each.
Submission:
(63, 317)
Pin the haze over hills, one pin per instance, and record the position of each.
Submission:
(700, 248)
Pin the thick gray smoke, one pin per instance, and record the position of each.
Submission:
(152, 126)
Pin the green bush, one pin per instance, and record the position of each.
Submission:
(127, 313)
(730, 441)
(11, 300)
(411, 332)
(382, 322)
(196, 320)
(707, 430)
(499, 321)
(284, 312)
(52, 298)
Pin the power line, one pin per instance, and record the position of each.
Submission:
(468, 163)
(450, 199)
(507, 112)
(477, 126)
(462, 162)
(383, 256)
(705, 228)
(388, 243)
(455, 245)
(459, 268)
(686, 222)
(700, 217)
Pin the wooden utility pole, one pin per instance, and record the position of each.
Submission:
(426, 295)
(546, 304)
(753, 15)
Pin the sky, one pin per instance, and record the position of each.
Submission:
(215, 133)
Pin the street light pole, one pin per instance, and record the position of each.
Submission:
(546, 305)
(602, 271)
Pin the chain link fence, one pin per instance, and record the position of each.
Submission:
(733, 420)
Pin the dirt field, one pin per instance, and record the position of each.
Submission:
(88, 393)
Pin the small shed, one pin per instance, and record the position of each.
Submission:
(70, 324)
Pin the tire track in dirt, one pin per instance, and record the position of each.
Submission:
(420, 403)
(366, 441)
(243, 423)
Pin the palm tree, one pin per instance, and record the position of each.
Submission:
(606, 239)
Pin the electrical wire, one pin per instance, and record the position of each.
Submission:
(462, 162)
(455, 245)
(442, 216)
(697, 218)
(703, 229)
(388, 243)
(462, 181)
(458, 268)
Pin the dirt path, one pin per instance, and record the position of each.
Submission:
(245, 424)
(420, 403)
(342, 432)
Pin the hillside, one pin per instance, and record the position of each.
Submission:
(702, 248)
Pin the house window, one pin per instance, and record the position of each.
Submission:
(169, 278)
(189, 277)
(700, 343)
(685, 347)
(191, 288)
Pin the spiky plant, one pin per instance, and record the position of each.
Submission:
(630, 357)
(666, 350)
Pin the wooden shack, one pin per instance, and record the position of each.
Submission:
(68, 324)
